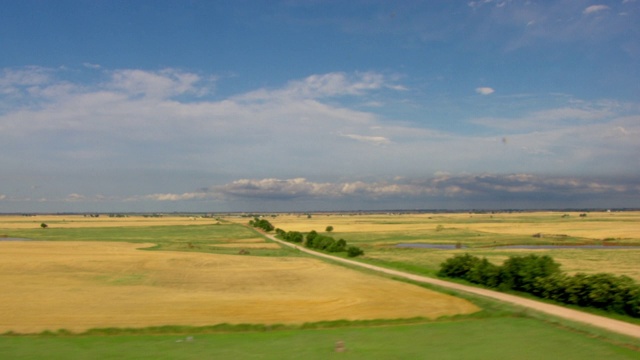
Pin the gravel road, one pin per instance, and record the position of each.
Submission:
(617, 326)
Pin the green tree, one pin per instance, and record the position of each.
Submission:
(485, 273)
(338, 246)
(329, 228)
(294, 236)
(353, 251)
(520, 272)
(310, 238)
(458, 266)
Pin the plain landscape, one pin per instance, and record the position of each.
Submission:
(165, 283)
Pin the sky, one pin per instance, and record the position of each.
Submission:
(215, 106)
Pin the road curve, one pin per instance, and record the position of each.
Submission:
(617, 326)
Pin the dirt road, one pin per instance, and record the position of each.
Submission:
(617, 326)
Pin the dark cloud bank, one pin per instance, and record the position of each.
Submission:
(516, 191)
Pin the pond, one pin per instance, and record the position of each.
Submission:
(530, 247)
(431, 246)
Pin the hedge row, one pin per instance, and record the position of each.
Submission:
(320, 242)
(541, 276)
(262, 224)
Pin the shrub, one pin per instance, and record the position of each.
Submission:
(353, 251)
(338, 246)
(458, 266)
(294, 236)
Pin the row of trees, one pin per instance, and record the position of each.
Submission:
(541, 276)
(316, 241)
(313, 240)
(263, 224)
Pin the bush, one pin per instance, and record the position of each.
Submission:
(353, 251)
(458, 266)
(294, 236)
(338, 246)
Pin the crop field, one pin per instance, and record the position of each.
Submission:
(482, 235)
(169, 279)
(79, 285)
(81, 221)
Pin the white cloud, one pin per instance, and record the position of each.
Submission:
(485, 90)
(173, 197)
(2, 196)
(75, 197)
(162, 84)
(325, 85)
(15, 81)
(594, 9)
(376, 140)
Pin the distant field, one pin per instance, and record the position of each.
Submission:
(81, 221)
(621, 226)
(481, 235)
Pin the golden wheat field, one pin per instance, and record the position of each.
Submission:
(596, 225)
(80, 221)
(83, 285)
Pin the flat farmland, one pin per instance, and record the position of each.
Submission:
(154, 275)
(621, 226)
(80, 285)
(483, 235)
(81, 221)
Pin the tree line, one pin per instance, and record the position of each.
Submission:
(541, 276)
(312, 240)
(263, 224)
(316, 241)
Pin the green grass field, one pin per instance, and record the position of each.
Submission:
(493, 338)
(199, 238)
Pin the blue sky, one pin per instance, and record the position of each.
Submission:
(318, 105)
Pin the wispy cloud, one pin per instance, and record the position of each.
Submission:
(162, 84)
(375, 140)
(580, 114)
(322, 86)
(92, 66)
(594, 9)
